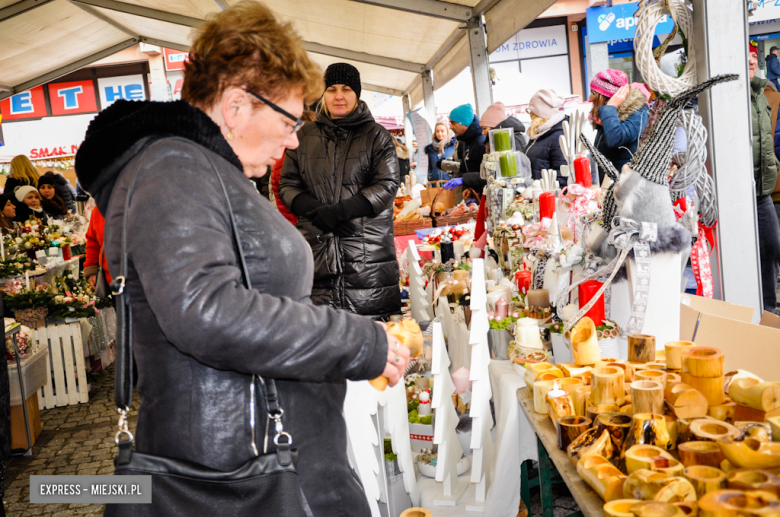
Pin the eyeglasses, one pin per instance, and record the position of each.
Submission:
(298, 122)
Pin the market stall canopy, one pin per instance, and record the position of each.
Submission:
(391, 42)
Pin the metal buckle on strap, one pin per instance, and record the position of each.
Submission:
(277, 418)
(123, 425)
(118, 286)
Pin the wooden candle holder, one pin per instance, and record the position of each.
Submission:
(705, 479)
(559, 406)
(762, 396)
(607, 386)
(569, 428)
(713, 430)
(710, 387)
(761, 431)
(584, 343)
(641, 348)
(656, 509)
(570, 385)
(590, 443)
(702, 361)
(722, 412)
(688, 508)
(750, 453)
(605, 361)
(729, 502)
(576, 372)
(593, 412)
(647, 397)
(534, 370)
(700, 453)
(540, 390)
(654, 486)
(629, 372)
(674, 351)
(672, 378)
(652, 458)
(732, 376)
(650, 429)
(602, 476)
(774, 424)
(618, 425)
(620, 507)
(658, 376)
(580, 398)
(684, 401)
(753, 479)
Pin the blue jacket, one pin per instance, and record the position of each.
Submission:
(772, 67)
(434, 174)
(618, 135)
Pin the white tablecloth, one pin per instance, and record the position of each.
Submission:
(515, 441)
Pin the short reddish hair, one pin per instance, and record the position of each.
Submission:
(245, 46)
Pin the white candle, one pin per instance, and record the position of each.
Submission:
(459, 248)
(27, 279)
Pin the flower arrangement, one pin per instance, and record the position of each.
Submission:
(23, 342)
(572, 255)
(18, 297)
(15, 266)
(26, 238)
(73, 298)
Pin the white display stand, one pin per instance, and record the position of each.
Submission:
(662, 318)
(417, 294)
(456, 332)
(446, 420)
(66, 384)
(482, 420)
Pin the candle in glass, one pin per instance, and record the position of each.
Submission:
(501, 141)
(582, 171)
(546, 205)
(538, 298)
(508, 165)
(586, 291)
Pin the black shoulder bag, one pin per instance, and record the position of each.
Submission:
(266, 485)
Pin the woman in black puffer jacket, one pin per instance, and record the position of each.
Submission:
(341, 182)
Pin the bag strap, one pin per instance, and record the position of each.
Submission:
(123, 383)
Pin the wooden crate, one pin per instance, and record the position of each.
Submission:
(67, 382)
(408, 227)
(450, 220)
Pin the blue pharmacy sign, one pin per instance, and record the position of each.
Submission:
(618, 22)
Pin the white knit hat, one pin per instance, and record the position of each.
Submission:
(21, 192)
(545, 104)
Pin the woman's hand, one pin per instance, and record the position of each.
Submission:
(619, 97)
(92, 280)
(397, 359)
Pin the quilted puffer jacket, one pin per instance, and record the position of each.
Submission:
(336, 160)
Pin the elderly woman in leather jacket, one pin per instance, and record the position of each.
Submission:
(341, 182)
(199, 334)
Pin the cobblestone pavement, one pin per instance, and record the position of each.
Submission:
(75, 440)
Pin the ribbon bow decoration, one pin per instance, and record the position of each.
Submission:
(536, 234)
(577, 206)
(626, 235)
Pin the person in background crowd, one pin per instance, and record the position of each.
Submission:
(471, 142)
(403, 159)
(95, 258)
(8, 211)
(546, 129)
(773, 67)
(441, 148)
(495, 118)
(22, 172)
(276, 173)
(414, 157)
(63, 188)
(200, 333)
(30, 199)
(341, 182)
(51, 202)
(619, 115)
(765, 174)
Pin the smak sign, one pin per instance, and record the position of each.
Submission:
(72, 97)
(25, 105)
(618, 22)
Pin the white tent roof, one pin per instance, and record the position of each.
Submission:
(391, 42)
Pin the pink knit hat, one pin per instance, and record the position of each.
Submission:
(545, 104)
(494, 115)
(608, 82)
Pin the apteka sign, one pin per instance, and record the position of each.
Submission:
(618, 22)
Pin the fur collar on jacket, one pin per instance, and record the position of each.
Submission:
(544, 128)
(116, 129)
(635, 101)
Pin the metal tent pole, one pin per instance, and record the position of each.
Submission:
(721, 36)
(430, 105)
(480, 66)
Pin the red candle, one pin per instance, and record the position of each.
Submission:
(66, 253)
(582, 171)
(587, 290)
(546, 205)
(523, 280)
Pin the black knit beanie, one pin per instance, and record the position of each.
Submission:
(343, 73)
(48, 179)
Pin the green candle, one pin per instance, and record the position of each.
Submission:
(508, 165)
(501, 141)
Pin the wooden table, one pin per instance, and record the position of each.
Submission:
(551, 458)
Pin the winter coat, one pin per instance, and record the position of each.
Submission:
(404, 165)
(545, 152)
(764, 160)
(471, 148)
(276, 175)
(22, 211)
(432, 151)
(336, 160)
(772, 68)
(199, 335)
(618, 134)
(94, 237)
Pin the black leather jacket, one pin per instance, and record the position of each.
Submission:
(336, 160)
(199, 334)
